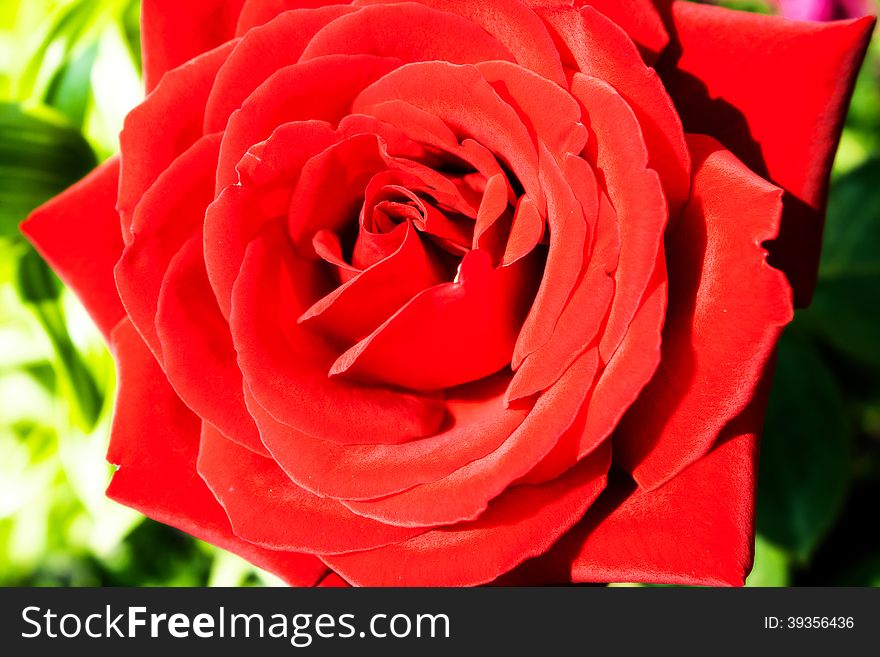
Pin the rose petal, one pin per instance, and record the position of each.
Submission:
(615, 389)
(78, 234)
(355, 309)
(281, 361)
(164, 126)
(320, 89)
(568, 227)
(154, 441)
(513, 25)
(259, 12)
(546, 108)
(171, 212)
(238, 214)
(698, 529)
(523, 522)
(775, 92)
(478, 424)
(175, 32)
(198, 356)
(640, 20)
(437, 88)
(465, 493)
(600, 49)
(399, 31)
(289, 517)
(449, 334)
(727, 309)
(331, 189)
(583, 316)
(261, 52)
(635, 192)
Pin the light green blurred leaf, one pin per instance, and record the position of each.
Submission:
(40, 289)
(40, 155)
(772, 565)
(805, 451)
(85, 63)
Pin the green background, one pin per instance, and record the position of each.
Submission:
(70, 71)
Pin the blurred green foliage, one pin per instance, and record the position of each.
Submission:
(70, 71)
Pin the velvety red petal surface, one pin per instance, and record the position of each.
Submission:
(727, 308)
(635, 191)
(521, 523)
(198, 357)
(258, 12)
(320, 89)
(698, 529)
(163, 127)
(155, 442)
(640, 20)
(260, 53)
(78, 234)
(174, 32)
(167, 216)
(449, 334)
(598, 48)
(282, 361)
(240, 211)
(399, 31)
(775, 92)
(478, 425)
(466, 492)
(265, 507)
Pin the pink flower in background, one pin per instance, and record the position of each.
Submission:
(824, 10)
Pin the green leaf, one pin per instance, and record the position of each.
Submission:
(36, 281)
(804, 472)
(864, 573)
(772, 565)
(846, 309)
(40, 155)
(70, 89)
(852, 232)
(41, 291)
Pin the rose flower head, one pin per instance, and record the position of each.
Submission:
(450, 292)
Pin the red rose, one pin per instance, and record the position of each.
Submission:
(436, 292)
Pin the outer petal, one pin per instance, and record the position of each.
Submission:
(259, 12)
(167, 216)
(514, 25)
(197, 351)
(599, 48)
(639, 18)
(479, 425)
(155, 441)
(174, 32)
(727, 307)
(775, 92)
(399, 31)
(267, 508)
(78, 234)
(163, 127)
(260, 53)
(465, 493)
(521, 523)
(698, 529)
